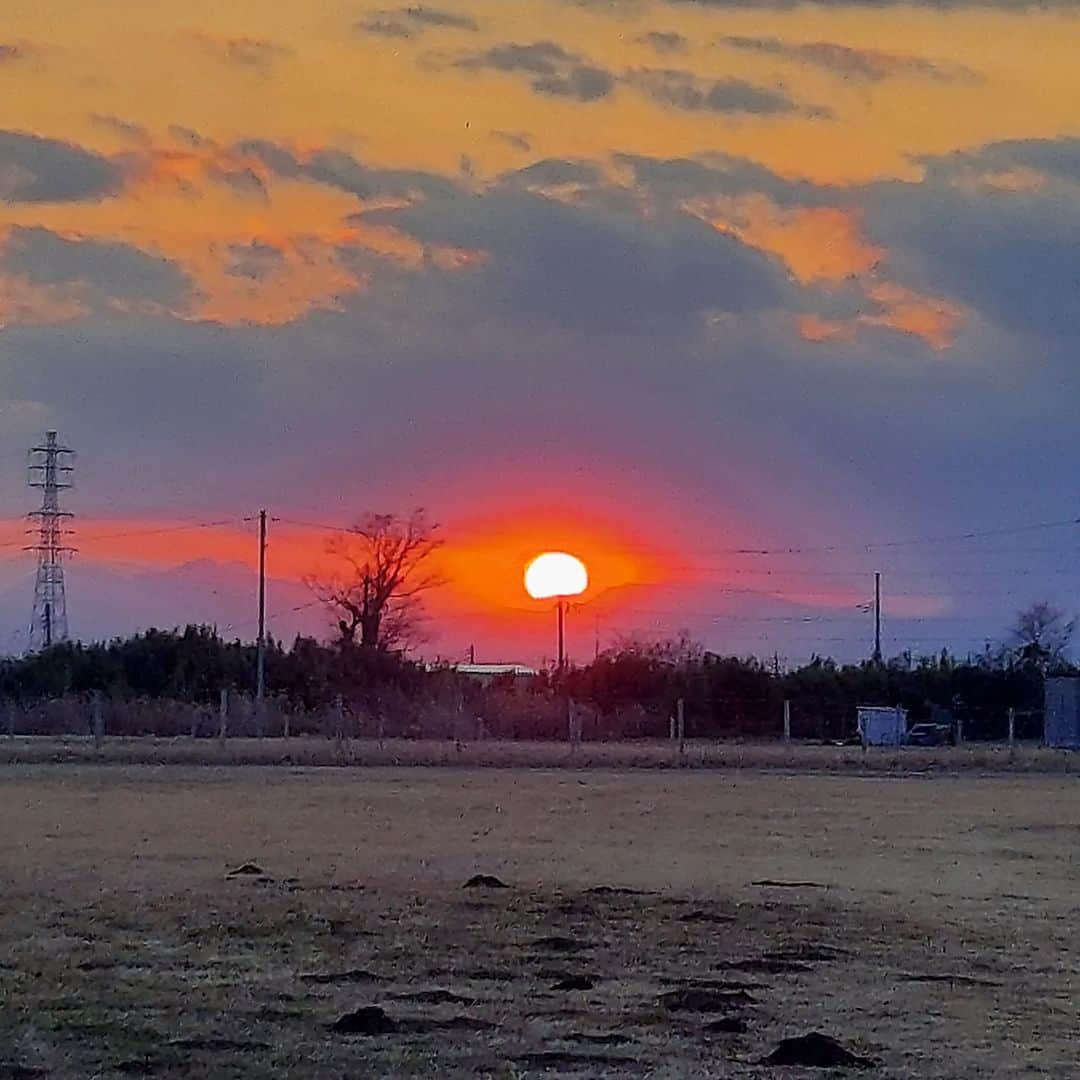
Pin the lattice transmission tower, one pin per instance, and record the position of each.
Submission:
(50, 468)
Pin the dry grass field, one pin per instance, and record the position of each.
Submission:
(928, 922)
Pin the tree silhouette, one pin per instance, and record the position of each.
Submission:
(376, 595)
(1041, 636)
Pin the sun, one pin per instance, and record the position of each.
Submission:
(554, 573)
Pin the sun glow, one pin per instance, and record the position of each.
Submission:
(554, 573)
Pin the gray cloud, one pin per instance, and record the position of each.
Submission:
(434, 17)
(135, 133)
(582, 83)
(257, 261)
(103, 271)
(408, 22)
(673, 180)
(551, 69)
(340, 170)
(1011, 256)
(596, 267)
(256, 54)
(517, 139)
(664, 41)
(188, 136)
(553, 172)
(34, 169)
(1055, 158)
(681, 90)
(868, 64)
(243, 181)
(384, 27)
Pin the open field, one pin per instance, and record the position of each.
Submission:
(926, 922)
(641, 754)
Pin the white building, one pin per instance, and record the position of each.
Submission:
(882, 726)
(1061, 724)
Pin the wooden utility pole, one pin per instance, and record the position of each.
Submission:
(787, 721)
(1012, 728)
(877, 618)
(260, 646)
(99, 719)
(680, 722)
(223, 718)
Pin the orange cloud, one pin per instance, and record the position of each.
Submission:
(821, 243)
(816, 329)
(934, 320)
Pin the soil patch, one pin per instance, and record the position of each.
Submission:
(816, 1051)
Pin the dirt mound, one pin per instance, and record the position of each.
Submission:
(815, 1051)
(575, 982)
(369, 1020)
(705, 1001)
(485, 881)
(248, 869)
(614, 890)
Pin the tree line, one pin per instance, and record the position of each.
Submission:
(375, 600)
(629, 691)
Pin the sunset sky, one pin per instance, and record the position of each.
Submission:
(731, 299)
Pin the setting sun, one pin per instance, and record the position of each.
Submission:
(555, 574)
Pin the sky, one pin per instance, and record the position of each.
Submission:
(740, 302)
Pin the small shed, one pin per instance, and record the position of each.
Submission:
(1062, 713)
(882, 726)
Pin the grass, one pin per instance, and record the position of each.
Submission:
(699, 754)
(926, 921)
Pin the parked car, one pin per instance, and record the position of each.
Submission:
(930, 735)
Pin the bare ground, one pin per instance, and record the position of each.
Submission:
(926, 922)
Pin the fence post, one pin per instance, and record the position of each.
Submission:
(11, 719)
(680, 713)
(286, 717)
(1012, 728)
(339, 723)
(787, 721)
(98, 718)
(959, 730)
(223, 718)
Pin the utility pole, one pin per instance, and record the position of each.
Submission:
(49, 468)
(260, 648)
(562, 634)
(877, 618)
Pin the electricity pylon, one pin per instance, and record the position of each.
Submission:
(50, 468)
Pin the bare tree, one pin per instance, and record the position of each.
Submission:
(1041, 635)
(376, 596)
